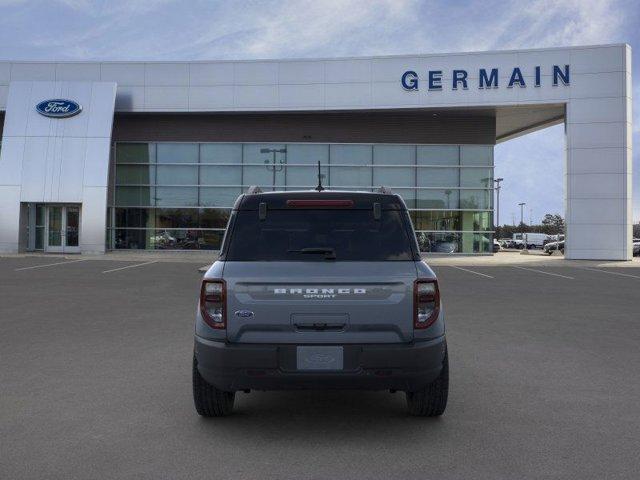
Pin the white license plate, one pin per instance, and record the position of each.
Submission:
(319, 358)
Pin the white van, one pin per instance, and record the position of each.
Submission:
(532, 240)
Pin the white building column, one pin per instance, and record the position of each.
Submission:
(598, 173)
(57, 160)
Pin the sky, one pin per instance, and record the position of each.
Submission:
(532, 165)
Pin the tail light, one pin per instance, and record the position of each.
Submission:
(426, 303)
(319, 203)
(213, 299)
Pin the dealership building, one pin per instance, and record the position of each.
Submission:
(99, 156)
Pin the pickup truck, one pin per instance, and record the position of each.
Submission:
(320, 290)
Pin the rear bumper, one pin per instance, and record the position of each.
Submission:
(232, 367)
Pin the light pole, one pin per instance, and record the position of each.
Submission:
(524, 239)
(273, 165)
(497, 181)
(522, 212)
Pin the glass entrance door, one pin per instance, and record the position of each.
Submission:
(62, 229)
(54, 231)
(72, 229)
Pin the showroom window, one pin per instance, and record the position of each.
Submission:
(174, 196)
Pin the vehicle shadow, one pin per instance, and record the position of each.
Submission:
(330, 415)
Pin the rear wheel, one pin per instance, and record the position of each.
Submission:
(209, 401)
(431, 401)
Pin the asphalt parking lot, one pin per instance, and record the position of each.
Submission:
(95, 364)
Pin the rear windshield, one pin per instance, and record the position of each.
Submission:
(320, 235)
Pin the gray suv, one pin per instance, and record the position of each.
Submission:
(320, 290)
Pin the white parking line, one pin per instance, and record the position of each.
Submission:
(611, 273)
(471, 271)
(50, 264)
(545, 273)
(130, 266)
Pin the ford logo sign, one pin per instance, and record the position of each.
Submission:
(244, 313)
(58, 108)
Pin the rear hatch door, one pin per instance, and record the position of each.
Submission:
(320, 302)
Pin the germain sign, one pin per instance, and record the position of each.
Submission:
(58, 108)
(487, 78)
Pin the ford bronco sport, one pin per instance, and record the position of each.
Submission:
(317, 290)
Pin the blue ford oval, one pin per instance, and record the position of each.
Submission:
(58, 108)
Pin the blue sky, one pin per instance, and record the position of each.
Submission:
(248, 29)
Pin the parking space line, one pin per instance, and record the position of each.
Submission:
(545, 273)
(611, 273)
(130, 266)
(471, 271)
(50, 264)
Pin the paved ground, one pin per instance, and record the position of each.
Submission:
(95, 383)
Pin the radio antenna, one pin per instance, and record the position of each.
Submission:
(319, 188)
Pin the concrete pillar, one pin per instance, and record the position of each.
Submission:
(598, 169)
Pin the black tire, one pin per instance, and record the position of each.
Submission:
(431, 401)
(209, 401)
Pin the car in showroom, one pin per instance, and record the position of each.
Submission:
(320, 290)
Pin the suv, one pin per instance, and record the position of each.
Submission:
(318, 290)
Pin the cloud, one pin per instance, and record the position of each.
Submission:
(546, 23)
(166, 29)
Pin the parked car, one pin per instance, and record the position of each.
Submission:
(554, 238)
(507, 243)
(636, 247)
(496, 246)
(320, 290)
(553, 246)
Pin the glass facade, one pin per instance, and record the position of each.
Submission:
(179, 195)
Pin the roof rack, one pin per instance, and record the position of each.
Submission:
(384, 190)
(254, 189)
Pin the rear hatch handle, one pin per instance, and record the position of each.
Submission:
(305, 322)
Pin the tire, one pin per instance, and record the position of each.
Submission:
(209, 401)
(431, 401)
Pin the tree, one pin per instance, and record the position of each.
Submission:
(554, 220)
(553, 223)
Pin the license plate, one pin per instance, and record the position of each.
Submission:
(319, 358)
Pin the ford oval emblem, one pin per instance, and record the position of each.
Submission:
(58, 108)
(244, 313)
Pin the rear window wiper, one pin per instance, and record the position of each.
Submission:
(330, 253)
